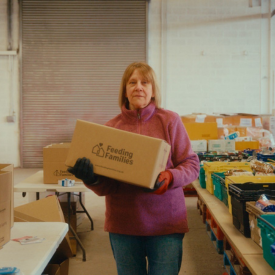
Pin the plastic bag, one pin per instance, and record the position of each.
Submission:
(264, 204)
(239, 172)
(260, 166)
(264, 137)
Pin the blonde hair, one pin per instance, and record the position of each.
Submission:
(147, 72)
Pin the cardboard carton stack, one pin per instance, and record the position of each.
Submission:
(6, 202)
(252, 131)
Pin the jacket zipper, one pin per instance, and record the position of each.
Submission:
(139, 127)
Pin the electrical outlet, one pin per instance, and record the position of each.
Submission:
(10, 118)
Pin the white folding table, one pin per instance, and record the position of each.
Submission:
(34, 183)
(32, 259)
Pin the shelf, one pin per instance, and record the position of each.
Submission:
(246, 248)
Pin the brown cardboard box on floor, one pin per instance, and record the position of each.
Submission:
(73, 222)
(119, 154)
(54, 168)
(5, 206)
(57, 267)
(45, 210)
(9, 168)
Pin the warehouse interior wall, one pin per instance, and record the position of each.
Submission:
(214, 56)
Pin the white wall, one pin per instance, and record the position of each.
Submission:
(9, 88)
(209, 55)
(213, 55)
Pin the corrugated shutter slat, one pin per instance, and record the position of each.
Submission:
(73, 57)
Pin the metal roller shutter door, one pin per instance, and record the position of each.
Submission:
(73, 57)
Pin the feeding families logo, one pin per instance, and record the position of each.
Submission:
(115, 154)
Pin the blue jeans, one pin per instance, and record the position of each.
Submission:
(164, 254)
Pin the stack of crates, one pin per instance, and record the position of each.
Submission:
(267, 225)
(214, 167)
(233, 263)
(253, 212)
(244, 179)
(242, 193)
(214, 231)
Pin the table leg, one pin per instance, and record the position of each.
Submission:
(79, 242)
(85, 211)
(74, 233)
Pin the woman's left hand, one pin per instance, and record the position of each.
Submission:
(163, 181)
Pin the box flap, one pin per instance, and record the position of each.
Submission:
(5, 186)
(21, 217)
(9, 168)
(56, 152)
(47, 210)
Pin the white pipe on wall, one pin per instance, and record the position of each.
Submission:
(163, 52)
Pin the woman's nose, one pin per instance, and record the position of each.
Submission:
(138, 86)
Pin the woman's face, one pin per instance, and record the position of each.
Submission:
(138, 91)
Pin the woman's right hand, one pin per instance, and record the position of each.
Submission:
(83, 169)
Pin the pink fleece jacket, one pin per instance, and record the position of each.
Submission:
(130, 210)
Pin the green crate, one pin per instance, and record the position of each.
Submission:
(217, 179)
(202, 178)
(266, 223)
(224, 194)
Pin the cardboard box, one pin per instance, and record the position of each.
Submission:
(198, 117)
(6, 187)
(253, 212)
(54, 157)
(269, 123)
(45, 210)
(216, 145)
(73, 222)
(119, 154)
(247, 120)
(57, 267)
(75, 199)
(244, 145)
(221, 145)
(199, 145)
(221, 120)
(9, 168)
(199, 131)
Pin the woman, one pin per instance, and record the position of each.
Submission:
(146, 224)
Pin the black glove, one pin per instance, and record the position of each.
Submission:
(83, 169)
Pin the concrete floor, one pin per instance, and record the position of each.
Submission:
(199, 254)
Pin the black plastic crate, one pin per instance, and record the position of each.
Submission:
(240, 194)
